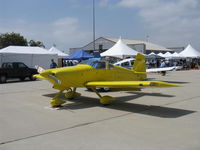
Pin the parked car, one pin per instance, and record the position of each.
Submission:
(16, 70)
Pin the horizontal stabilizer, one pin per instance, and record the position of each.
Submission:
(160, 69)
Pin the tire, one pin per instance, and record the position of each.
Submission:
(32, 78)
(3, 79)
(22, 78)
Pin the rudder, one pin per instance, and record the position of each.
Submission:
(140, 65)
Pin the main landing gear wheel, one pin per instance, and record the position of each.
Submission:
(106, 100)
(71, 94)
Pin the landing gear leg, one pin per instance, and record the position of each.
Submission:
(105, 100)
(72, 93)
(56, 102)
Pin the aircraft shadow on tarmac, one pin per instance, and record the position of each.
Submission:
(121, 104)
(174, 82)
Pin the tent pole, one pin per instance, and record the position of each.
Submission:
(93, 25)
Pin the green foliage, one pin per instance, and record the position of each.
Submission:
(8, 39)
(36, 43)
(15, 39)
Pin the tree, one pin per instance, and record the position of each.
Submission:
(8, 39)
(36, 43)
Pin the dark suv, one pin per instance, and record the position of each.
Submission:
(16, 70)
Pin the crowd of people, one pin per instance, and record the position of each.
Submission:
(70, 62)
(192, 63)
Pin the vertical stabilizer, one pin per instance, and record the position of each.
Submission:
(140, 65)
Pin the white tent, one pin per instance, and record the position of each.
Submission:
(161, 54)
(60, 53)
(189, 51)
(175, 54)
(120, 50)
(167, 55)
(152, 53)
(31, 56)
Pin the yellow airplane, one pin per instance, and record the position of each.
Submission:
(95, 74)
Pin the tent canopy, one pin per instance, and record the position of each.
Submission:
(31, 56)
(79, 55)
(25, 50)
(175, 54)
(60, 53)
(189, 51)
(167, 55)
(120, 49)
(160, 54)
(152, 53)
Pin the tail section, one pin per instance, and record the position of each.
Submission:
(139, 66)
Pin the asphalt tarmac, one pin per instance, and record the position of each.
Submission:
(167, 118)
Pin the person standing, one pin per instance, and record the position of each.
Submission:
(53, 64)
(162, 64)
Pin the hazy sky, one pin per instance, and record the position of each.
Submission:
(68, 23)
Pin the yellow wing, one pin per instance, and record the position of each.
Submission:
(131, 84)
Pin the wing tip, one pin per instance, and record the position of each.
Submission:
(164, 84)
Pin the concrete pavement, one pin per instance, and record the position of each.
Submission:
(166, 118)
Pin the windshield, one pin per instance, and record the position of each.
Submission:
(96, 64)
(87, 62)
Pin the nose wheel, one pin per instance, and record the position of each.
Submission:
(56, 102)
